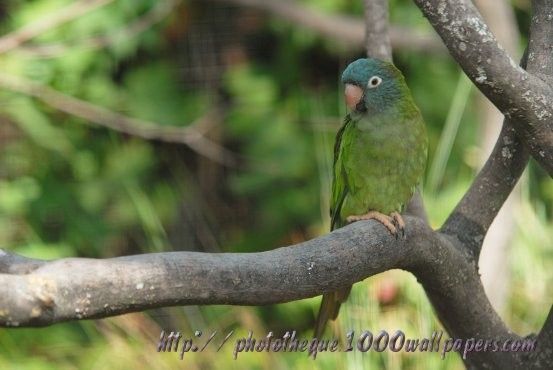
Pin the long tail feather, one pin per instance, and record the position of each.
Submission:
(330, 306)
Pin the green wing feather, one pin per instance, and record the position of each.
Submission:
(339, 183)
(330, 304)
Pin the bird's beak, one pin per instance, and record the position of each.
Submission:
(353, 95)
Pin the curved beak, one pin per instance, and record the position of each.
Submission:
(353, 95)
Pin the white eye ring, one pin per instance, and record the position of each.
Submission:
(374, 81)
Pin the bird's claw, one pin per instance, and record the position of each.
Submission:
(394, 222)
(399, 223)
(385, 220)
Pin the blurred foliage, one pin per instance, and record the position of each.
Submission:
(72, 189)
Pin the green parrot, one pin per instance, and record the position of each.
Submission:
(379, 157)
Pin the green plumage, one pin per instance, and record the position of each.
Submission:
(379, 162)
(379, 155)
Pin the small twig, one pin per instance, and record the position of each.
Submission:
(155, 15)
(91, 113)
(67, 14)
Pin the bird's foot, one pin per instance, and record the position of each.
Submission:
(385, 220)
(399, 223)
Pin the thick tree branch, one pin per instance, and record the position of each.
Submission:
(523, 97)
(350, 31)
(450, 279)
(540, 63)
(540, 48)
(470, 221)
(494, 257)
(78, 288)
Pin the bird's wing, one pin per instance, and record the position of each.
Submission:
(339, 181)
(330, 305)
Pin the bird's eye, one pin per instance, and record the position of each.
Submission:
(374, 81)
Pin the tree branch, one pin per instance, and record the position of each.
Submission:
(451, 281)
(156, 14)
(415, 207)
(67, 14)
(350, 31)
(377, 37)
(174, 278)
(495, 251)
(15, 264)
(540, 48)
(521, 96)
(189, 135)
(543, 357)
(470, 221)
(79, 288)
(540, 63)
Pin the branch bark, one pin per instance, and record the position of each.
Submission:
(522, 97)
(469, 222)
(42, 293)
(494, 257)
(543, 357)
(377, 37)
(540, 48)
(15, 264)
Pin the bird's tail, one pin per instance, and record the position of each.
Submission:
(330, 305)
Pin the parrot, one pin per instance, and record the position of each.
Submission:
(380, 155)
